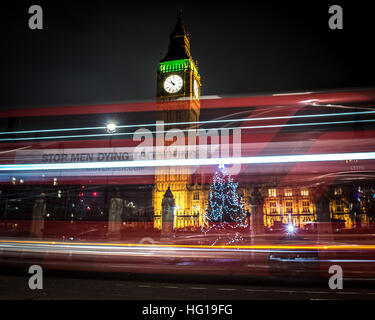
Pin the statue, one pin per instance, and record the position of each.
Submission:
(116, 207)
(257, 214)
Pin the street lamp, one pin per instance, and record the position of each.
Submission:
(111, 127)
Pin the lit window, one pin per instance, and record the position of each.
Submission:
(338, 191)
(196, 195)
(272, 192)
(288, 193)
(273, 207)
(304, 192)
(289, 206)
(339, 206)
(305, 206)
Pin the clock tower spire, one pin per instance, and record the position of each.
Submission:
(177, 74)
(179, 44)
(177, 95)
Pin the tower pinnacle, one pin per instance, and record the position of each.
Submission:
(179, 44)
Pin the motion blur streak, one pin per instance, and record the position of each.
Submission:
(194, 123)
(193, 130)
(56, 244)
(51, 130)
(194, 162)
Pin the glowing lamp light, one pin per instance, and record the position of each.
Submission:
(111, 127)
(291, 228)
(95, 194)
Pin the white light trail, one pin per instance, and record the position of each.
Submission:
(192, 162)
(306, 124)
(291, 93)
(178, 123)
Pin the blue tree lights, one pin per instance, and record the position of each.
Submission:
(225, 210)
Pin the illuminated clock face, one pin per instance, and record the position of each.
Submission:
(173, 83)
(196, 89)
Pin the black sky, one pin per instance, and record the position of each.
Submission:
(100, 52)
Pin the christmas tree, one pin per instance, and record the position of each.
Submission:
(225, 213)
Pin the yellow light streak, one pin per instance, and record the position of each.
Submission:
(265, 247)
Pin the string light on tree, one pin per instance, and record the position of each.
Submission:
(225, 209)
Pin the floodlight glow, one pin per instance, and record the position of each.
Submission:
(291, 228)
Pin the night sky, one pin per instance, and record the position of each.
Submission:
(101, 52)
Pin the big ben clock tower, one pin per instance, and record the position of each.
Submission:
(178, 76)
(178, 93)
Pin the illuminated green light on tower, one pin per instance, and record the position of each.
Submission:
(174, 65)
(177, 65)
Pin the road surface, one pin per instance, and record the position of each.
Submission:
(125, 286)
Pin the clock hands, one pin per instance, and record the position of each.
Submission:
(173, 83)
